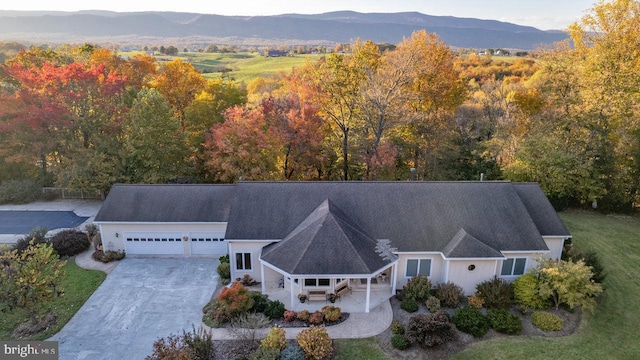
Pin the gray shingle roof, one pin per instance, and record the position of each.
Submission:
(464, 245)
(414, 216)
(167, 203)
(540, 209)
(325, 242)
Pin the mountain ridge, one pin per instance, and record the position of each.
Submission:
(337, 27)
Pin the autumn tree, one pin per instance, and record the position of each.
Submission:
(338, 80)
(154, 146)
(299, 133)
(179, 82)
(240, 148)
(207, 109)
(435, 91)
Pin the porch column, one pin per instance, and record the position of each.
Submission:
(291, 281)
(394, 273)
(366, 306)
(263, 283)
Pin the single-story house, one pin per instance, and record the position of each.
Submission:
(320, 238)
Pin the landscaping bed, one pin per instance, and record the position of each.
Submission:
(571, 324)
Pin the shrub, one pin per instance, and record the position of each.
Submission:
(429, 330)
(331, 313)
(200, 342)
(19, 191)
(316, 318)
(432, 304)
(303, 315)
(496, 293)
(37, 235)
(292, 352)
(262, 353)
(566, 282)
(546, 321)
(409, 305)
(289, 315)
(417, 288)
(397, 327)
(590, 258)
(476, 301)
(504, 322)
(235, 300)
(399, 342)
(315, 342)
(246, 326)
(70, 242)
(449, 294)
(224, 270)
(471, 321)
(108, 256)
(274, 310)
(275, 339)
(173, 347)
(526, 292)
(224, 259)
(259, 301)
(91, 229)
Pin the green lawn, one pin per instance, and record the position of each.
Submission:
(78, 286)
(244, 66)
(610, 333)
(357, 349)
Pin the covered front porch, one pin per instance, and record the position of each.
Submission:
(352, 293)
(353, 302)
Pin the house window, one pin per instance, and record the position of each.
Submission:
(317, 282)
(243, 261)
(418, 267)
(513, 266)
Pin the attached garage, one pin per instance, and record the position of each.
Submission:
(203, 243)
(153, 243)
(166, 220)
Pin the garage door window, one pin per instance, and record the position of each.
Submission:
(243, 261)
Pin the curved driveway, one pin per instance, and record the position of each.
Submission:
(142, 300)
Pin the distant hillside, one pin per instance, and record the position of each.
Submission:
(336, 27)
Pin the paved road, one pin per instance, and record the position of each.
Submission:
(142, 300)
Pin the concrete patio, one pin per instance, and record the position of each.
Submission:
(353, 302)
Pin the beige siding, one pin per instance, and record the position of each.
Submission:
(555, 247)
(252, 247)
(437, 272)
(460, 274)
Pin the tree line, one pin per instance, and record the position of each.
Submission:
(84, 118)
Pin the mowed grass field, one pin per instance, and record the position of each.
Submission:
(243, 67)
(609, 333)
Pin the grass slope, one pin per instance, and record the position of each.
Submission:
(244, 66)
(78, 286)
(610, 333)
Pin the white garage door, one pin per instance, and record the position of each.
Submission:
(153, 243)
(203, 243)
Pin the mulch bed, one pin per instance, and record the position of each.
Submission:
(571, 324)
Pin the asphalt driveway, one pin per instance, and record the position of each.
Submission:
(142, 300)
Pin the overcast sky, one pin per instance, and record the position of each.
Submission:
(543, 14)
